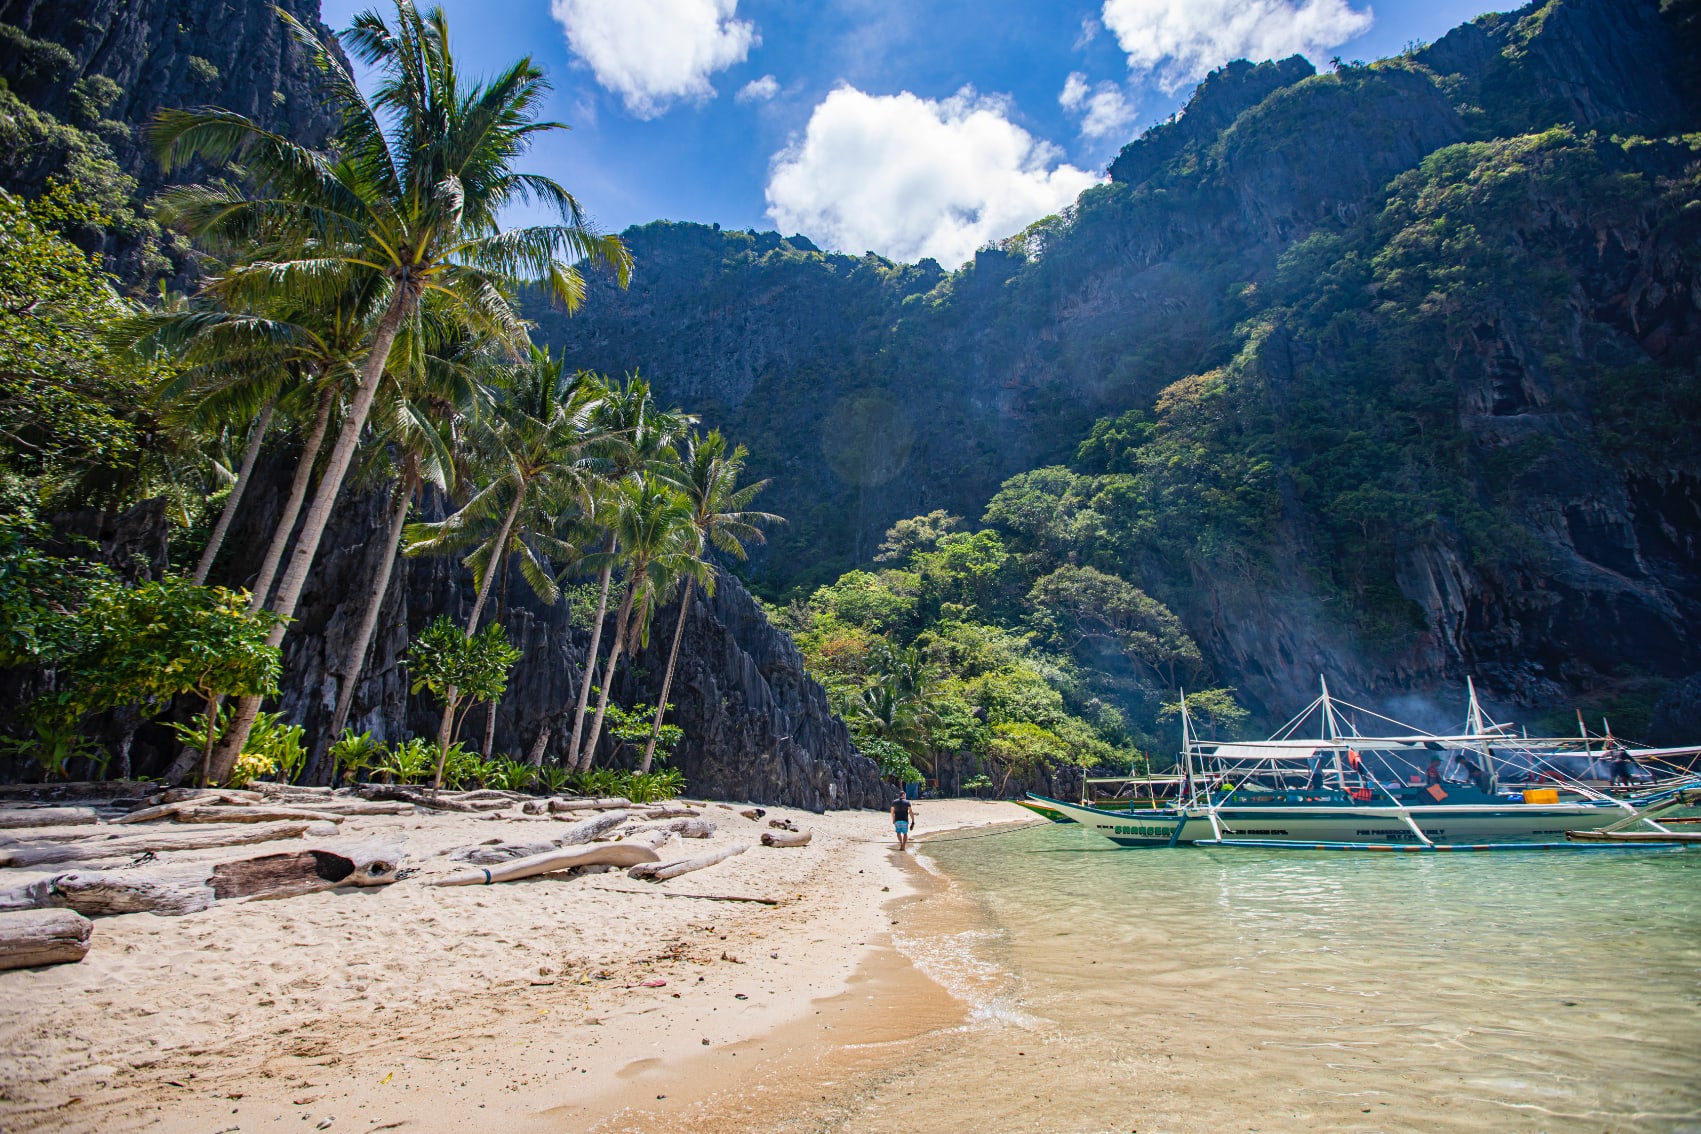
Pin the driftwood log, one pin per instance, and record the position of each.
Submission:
(421, 797)
(610, 854)
(608, 803)
(191, 887)
(217, 813)
(267, 788)
(661, 872)
(685, 828)
(48, 817)
(237, 796)
(154, 842)
(488, 854)
(43, 937)
(782, 824)
(753, 813)
(786, 838)
(665, 812)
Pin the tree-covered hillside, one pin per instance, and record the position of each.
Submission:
(1388, 371)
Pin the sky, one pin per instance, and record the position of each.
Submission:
(909, 128)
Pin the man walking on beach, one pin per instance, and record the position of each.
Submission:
(902, 812)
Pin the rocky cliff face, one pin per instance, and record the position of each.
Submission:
(121, 61)
(756, 726)
(946, 384)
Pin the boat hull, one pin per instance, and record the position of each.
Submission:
(1466, 823)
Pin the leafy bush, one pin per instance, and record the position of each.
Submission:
(508, 774)
(649, 787)
(408, 762)
(461, 768)
(278, 744)
(598, 782)
(351, 755)
(552, 778)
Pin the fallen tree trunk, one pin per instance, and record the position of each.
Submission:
(362, 807)
(420, 797)
(43, 937)
(48, 817)
(668, 813)
(216, 813)
(786, 838)
(661, 873)
(272, 790)
(488, 854)
(612, 854)
(190, 888)
(235, 796)
(587, 829)
(685, 828)
(607, 803)
(153, 842)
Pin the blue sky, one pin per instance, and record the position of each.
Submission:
(905, 127)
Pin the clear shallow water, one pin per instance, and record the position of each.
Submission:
(1284, 990)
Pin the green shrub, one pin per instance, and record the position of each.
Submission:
(407, 762)
(352, 755)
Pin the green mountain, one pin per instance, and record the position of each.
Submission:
(1388, 372)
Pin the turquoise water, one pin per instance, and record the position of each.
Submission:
(1146, 990)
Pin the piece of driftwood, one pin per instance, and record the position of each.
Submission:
(152, 842)
(422, 797)
(587, 829)
(236, 796)
(786, 838)
(192, 887)
(654, 839)
(753, 813)
(77, 789)
(607, 854)
(665, 812)
(43, 937)
(491, 854)
(535, 807)
(699, 897)
(362, 807)
(661, 872)
(272, 790)
(685, 828)
(782, 824)
(48, 817)
(608, 803)
(219, 813)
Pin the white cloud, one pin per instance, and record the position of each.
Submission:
(759, 90)
(653, 53)
(1104, 110)
(909, 177)
(1180, 40)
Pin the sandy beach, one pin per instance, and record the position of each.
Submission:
(534, 1004)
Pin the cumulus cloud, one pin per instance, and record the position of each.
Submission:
(909, 177)
(759, 90)
(653, 53)
(1180, 40)
(1104, 110)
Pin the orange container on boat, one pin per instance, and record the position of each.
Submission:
(1541, 795)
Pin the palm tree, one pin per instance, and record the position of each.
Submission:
(708, 476)
(534, 448)
(635, 437)
(409, 205)
(654, 541)
(441, 391)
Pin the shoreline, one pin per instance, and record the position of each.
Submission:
(414, 1007)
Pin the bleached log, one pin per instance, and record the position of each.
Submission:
(43, 937)
(786, 838)
(655, 839)
(685, 828)
(502, 794)
(48, 817)
(259, 813)
(422, 797)
(753, 813)
(668, 813)
(362, 807)
(189, 888)
(153, 842)
(272, 790)
(782, 824)
(493, 853)
(661, 873)
(607, 803)
(237, 796)
(587, 829)
(609, 854)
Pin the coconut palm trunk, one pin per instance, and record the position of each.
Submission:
(297, 494)
(319, 514)
(256, 436)
(620, 627)
(667, 679)
(591, 658)
(499, 555)
(355, 662)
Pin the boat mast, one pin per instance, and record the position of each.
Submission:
(1331, 733)
(1186, 750)
(1475, 725)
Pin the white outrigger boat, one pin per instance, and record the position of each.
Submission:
(1408, 789)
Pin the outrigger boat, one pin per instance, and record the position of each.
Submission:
(1347, 789)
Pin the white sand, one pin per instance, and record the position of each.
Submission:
(411, 1006)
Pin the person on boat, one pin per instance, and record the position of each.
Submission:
(1432, 774)
(1623, 767)
(1316, 781)
(1473, 773)
(903, 813)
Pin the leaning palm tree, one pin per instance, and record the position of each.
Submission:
(655, 543)
(634, 437)
(409, 204)
(708, 476)
(534, 446)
